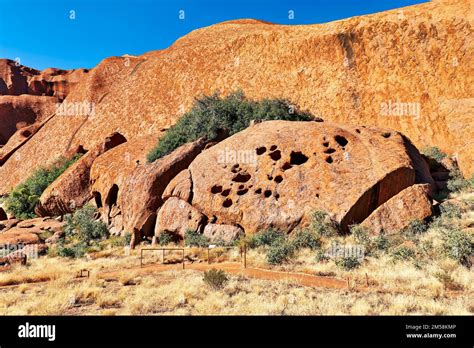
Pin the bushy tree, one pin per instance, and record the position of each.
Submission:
(212, 116)
(82, 231)
(22, 200)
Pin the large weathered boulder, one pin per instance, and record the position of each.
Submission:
(177, 216)
(276, 173)
(141, 194)
(72, 189)
(113, 167)
(28, 237)
(398, 212)
(109, 173)
(222, 233)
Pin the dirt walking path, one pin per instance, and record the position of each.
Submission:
(237, 269)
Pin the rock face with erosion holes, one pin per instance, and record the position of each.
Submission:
(398, 212)
(281, 171)
(109, 173)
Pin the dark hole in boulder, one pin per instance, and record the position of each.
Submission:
(258, 191)
(273, 148)
(329, 159)
(26, 133)
(242, 192)
(278, 179)
(275, 155)
(386, 135)
(227, 203)
(216, 189)
(297, 158)
(267, 193)
(242, 177)
(235, 168)
(328, 151)
(98, 199)
(261, 150)
(341, 140)
(3, 215)
(112, 196)
(225, 193)
(286, 166)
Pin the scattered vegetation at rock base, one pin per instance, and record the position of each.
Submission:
(82, 234)
(457, 182)
(22, 200)
(418, 243)
(194, 238)
(212, 115)
(166, 238)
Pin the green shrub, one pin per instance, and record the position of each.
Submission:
(457, 245)
(321, 255)
(448, 281)
(450, 210)
(280, 252)
(456, 182)
(194, 238)
(266, 238)
(120, 241)
(212, 115)
(434, 153)
(83, 225)
(361, 235)
(381, 243)
(166, 238)
(403, 253)
(347, 263)
(216, 279)
(66, 252)
(322, 224)
(23, 198)
(127, 238)
(414, 229)
(306, 239)
(82, 233)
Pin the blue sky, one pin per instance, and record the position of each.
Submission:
(42, 34)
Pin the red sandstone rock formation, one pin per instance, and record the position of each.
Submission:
(408, 69)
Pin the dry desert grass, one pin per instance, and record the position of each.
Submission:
(396, 289)
(428, 284)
